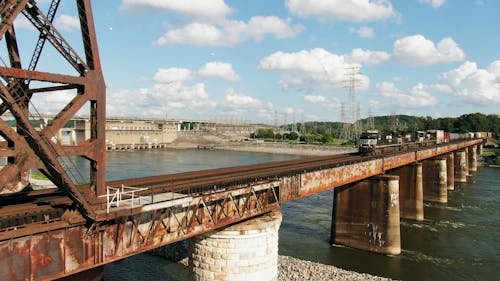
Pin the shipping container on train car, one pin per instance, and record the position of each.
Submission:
(436, 135)
(447, 137)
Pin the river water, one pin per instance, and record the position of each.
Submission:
(459, 240)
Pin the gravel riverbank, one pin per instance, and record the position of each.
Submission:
(144, 267)
(292, 269)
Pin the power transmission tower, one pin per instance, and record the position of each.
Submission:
(371, 120)
(346, 127)
(394, 122)
(276, 120)
(285, 120)
(302, 124)
(351, 81)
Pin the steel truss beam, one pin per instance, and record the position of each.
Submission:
(77, 248)
(29, 147)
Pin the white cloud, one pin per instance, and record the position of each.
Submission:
(67, 23)
(323, 101)
(316, 68)
(24, 23)
(417, 96)
(417, 50)
(229, 33)
(240, 101)
(173, 74)
(433, 3)
(200, 10)
(473, 84)
(52, 103)
(174, 99)
(364, 32)
(238, 104)
(343, 10)
(368, 56)
(219, 69)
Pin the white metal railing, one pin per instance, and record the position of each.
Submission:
(124, 194)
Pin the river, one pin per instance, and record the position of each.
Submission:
(459, 240)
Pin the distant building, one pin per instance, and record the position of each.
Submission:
(123, 133)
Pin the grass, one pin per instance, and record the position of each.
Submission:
(37, 175)
(492, 152)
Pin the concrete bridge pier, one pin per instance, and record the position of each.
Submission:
(411, 197)
(366, 215)
(472, 159)
(461, 169)
(467, 160)
(244, 251)
(435, 180)
(479, 149)
(450, 171)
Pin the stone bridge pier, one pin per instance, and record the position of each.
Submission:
(245, 251)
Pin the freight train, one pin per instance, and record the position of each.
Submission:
(374, 142)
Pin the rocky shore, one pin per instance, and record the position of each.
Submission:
(292, 269)
(144, 267)
(289, 268)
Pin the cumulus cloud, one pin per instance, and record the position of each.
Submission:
(473, 84)
(53, 103)
(229, 33)
(240, 101)
(210, 69)
(366, 32)
(24, 23)
(343, 10)
(417, 96)
(200, 10)
(67, 23)
(433, 3)
(368, 56)
(175, 98)
(219, 69)
(417, 50)
(316, 68)
(238, 104)
(323, 101)
(173, 74)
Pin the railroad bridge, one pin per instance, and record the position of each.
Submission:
(87, 222)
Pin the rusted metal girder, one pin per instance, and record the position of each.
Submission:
(61, 252)
(29, 147)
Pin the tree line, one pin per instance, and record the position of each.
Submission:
(328, 132)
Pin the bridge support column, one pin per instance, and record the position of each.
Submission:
(461, 169)
(479, 149)
(411, 197)
(434, 180)
(366, 215)
(472, 159)
(244, 251)
(450, 171)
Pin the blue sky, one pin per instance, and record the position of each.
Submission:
(246, 60)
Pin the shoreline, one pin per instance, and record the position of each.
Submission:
(289, 269)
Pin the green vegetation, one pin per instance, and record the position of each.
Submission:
(474, 122)
(37, 175)
(327, 133)
(492, 155)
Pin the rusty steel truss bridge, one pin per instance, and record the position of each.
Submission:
(83, 224)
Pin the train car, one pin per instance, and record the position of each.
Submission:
(376, 142)
(436, 135)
